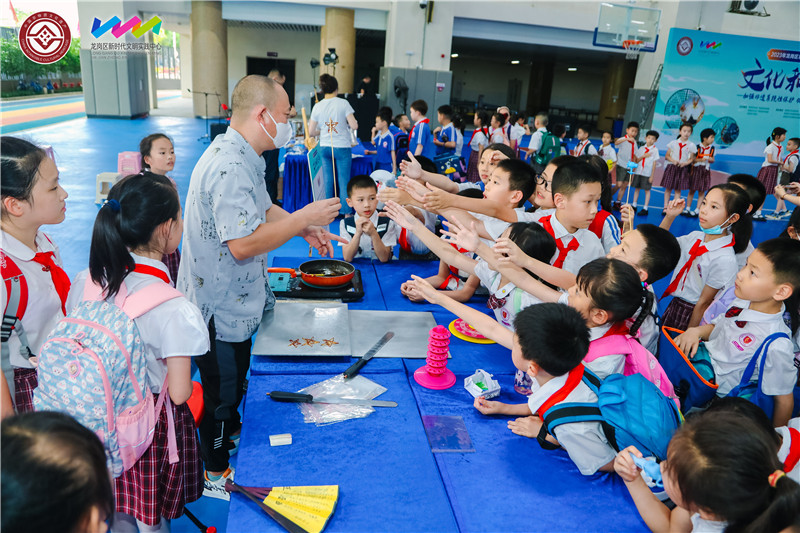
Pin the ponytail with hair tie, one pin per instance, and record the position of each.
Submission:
(775, 476)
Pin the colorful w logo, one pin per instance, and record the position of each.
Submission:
(710, 44)
(118, 29)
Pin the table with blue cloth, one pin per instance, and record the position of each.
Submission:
(297, 183)
(388, 477)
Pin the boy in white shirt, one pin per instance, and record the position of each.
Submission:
(368, 234)
(607, 151)
(626, 153)
(584, 147)
(554, 361)
(646, 156)
(535, 144)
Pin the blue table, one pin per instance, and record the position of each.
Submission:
(297, 184)
(387, 476)
(510, 483)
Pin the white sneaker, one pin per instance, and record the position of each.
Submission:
(216, 488)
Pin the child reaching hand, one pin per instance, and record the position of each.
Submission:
(722, 474)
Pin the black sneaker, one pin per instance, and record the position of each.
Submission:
(643, 212)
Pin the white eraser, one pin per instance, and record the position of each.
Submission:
(280, 440)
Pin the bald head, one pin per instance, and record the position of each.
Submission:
(255, 91)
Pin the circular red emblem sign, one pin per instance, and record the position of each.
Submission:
(44, 37)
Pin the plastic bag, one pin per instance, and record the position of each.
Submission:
(357, 388)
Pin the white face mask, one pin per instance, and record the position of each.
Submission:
(282, 134)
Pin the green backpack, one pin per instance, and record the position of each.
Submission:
(551, 147)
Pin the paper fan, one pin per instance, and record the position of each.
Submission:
(296, 509)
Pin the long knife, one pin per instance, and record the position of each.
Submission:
(358, 365)
(297, 397)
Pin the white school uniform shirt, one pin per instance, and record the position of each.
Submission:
(774, 149)
(645, 167)
(491, 280)
(495, 226)
(608, 152)
(608, 364)
(584, 148)
(517, 132)
(731, 348)
(535, 143)
(706, 151)
(701, 525)
(173, 329)
(715, 268)
(477, 140)
(626, 149)
(227, 200)
(496, 135)
(333, 109)
(787, 444)
(681, 154)
(459, 141)
(585, 442)
(44, 306)
(589, 246)
(366, 249)
(648, 331)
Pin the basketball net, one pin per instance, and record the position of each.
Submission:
(632, 48)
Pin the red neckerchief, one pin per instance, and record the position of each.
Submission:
(633, 143)
(581, 146)
(152, 271)
(788, 156)
(562, 250)
(698, 249)
(485, 132)
(779, 150)
(573, 380)
(423, 121)
(617, 328)
(646, 151)
(680, 151)
(794, 451)
(57, 275)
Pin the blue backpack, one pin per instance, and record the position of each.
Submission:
(751, 390)
(631, 410)
(93, 366)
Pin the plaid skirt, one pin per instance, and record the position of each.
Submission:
(472, 167)
(700, 179)
(153, 488)
(769, 177)
(25, 380)
(173, 261)
(678, 314)
(675, 178)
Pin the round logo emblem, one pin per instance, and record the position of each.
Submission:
(685, 46)
(44, 37)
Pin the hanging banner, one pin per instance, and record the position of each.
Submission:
(741, 87)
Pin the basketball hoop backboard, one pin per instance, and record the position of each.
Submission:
(620, 25)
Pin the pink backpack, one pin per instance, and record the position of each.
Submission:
(638, 360)
(94, 367)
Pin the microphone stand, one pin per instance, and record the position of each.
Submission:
(207, 136)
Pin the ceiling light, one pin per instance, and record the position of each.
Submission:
(515, 62)
(453, 55)
(572, 69)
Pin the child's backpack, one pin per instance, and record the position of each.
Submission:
(93, 366)
(692, 385)
(15, 306)
(751, 390)
(630, 409)
(638, 360)
(551, 147)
